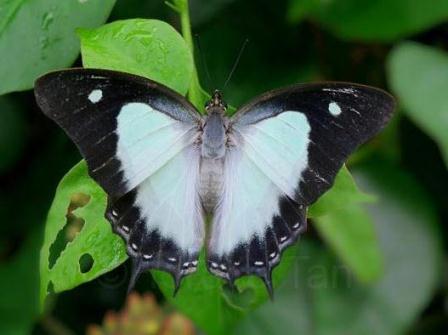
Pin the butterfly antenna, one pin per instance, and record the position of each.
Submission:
(235, 64)
(203, 61)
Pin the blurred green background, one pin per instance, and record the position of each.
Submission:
(374, 260)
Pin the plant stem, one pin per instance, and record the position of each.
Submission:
(194, 93)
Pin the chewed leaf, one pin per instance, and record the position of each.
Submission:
(76, 227)
(149, 48)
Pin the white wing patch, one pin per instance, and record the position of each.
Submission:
(147, 140)
(169, 201)
(266, 164)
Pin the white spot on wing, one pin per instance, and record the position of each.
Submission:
(334, 109)
(95, 96)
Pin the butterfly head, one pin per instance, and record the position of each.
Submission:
(216, 103)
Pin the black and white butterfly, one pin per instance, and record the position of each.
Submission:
(165, 166)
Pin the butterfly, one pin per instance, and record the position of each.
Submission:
(165, 167)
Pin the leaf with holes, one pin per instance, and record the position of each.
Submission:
(39, 36)
(79, 244)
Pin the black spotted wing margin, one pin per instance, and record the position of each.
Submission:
(137, 138)
(285, 150)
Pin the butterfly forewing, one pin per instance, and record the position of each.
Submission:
(137, 137)
(287, 148)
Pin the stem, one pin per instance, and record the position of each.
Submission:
(194, 93)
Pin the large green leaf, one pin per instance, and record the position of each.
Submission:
(149, 48)
(375, 20)
(38, 36)
(322, 298)
(418, 75)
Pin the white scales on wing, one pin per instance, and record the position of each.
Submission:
(158, 159)
(265, 164)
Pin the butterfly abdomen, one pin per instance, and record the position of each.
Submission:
(210, 182)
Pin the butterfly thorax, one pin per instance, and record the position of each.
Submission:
(213, 140)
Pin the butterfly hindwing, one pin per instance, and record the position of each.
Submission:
(137, 138)
(286, 149)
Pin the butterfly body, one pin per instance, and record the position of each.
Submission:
(164, 166)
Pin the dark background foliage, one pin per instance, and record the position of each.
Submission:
(399, 45)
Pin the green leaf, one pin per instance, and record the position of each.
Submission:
(321, 297)
(76, 227)
(418, 75)
(19, 285)
(343, 193)
(342, 221)
(351, 234)
(39, 36)
(149, 48)
(374, 20)
(218, 308)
